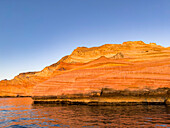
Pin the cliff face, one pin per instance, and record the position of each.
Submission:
(23, 84)
(128, 66)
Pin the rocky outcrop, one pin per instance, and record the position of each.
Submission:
(108, 96)
(133, 66)
(118, 56)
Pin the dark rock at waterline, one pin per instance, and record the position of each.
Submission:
(108, 96)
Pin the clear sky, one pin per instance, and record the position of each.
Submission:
(37, 33)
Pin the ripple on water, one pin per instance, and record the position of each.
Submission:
(17, 114)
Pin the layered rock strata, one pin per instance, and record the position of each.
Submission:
(132, 68)
(108, 96)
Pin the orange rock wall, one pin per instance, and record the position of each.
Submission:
(131, 65)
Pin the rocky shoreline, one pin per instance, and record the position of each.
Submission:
(160, 96)
(129, 72)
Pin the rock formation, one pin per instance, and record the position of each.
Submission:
(132, 68)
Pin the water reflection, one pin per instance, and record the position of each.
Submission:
(20, 112)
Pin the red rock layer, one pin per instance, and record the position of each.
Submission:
(131, 65)
(108, 73)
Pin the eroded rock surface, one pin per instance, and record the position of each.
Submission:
(133, 66)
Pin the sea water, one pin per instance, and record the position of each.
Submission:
(22, 113)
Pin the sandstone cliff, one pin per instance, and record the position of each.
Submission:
(132, 66)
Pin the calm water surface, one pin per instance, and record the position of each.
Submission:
(21, 113)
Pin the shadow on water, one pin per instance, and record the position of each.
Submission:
(118, 116)
(20, 112)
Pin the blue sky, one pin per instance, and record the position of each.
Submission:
(37, 33)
